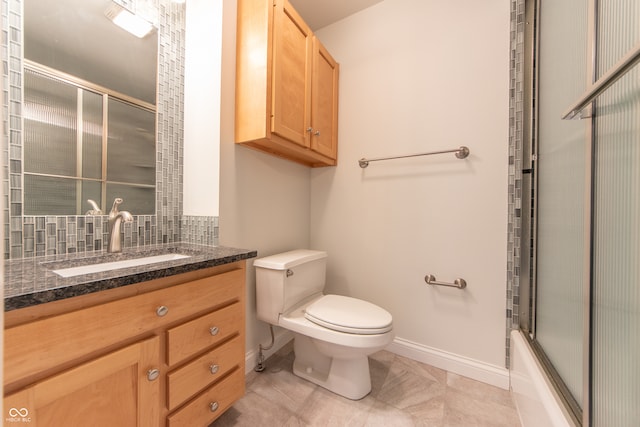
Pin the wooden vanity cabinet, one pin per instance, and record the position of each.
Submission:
(286, 85)
(112, 390)
(164, 352)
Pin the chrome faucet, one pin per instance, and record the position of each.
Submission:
(115, 219)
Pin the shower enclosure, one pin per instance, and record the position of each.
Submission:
(583, 310)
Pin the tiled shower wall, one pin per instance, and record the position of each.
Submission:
(27, 236)
(516, 123)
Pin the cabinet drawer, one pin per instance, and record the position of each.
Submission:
(189, 338)
(211, 403)
(37, 346)
(193, 377)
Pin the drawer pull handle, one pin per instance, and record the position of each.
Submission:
(214, 369)
(153, 374)
(213, 406)
(214, 330)
(162, 310)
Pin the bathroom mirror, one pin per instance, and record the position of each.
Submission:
(88, 107)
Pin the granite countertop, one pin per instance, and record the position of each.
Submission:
(31, 281)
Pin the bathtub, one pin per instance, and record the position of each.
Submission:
(537, 402)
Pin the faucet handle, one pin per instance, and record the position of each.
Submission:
(95, 209)
(114, 208)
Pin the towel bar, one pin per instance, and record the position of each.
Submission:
(461, 153)
(458, 283)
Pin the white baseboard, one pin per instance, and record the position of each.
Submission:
(460, 365)
(471, 368)
(281, 338)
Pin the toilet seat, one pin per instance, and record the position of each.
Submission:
(350, 315)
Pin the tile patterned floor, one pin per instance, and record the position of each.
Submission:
(404, 393)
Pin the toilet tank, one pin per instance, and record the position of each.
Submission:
(283, 280)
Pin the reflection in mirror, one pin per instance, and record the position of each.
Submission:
(29, 236)
(77, 38)
(89, 110)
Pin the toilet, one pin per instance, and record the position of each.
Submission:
(333, 334)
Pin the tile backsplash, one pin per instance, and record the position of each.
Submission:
(51, 235)
(199, 230)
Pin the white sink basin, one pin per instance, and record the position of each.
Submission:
(115, 265)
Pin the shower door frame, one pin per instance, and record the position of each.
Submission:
(579, 411)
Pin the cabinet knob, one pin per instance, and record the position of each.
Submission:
(317, 133)
(153, 374)
(213, 406)
(214, 330)
(309, 129)
(162, 310)
(214, 369)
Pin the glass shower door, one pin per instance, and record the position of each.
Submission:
(587, 306)
(561, 173)
(616, 238)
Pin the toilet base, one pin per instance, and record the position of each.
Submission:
(348, 377)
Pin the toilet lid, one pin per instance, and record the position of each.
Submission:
(351, 315)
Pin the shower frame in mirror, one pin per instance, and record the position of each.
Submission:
(83, 141)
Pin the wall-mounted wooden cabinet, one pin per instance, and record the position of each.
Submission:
(164, 352)
(286, 85)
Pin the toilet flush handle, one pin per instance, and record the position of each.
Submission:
(289, 272)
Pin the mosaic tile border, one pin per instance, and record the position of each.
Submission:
(516, 123)
(200, 230)
(11, 52)
(51, 235)
(170, 110)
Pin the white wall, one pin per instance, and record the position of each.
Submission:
(416, 75)
(202, 107)
(419, 76)
(264, 200)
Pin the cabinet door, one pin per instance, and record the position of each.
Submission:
(113, 390)
(291, 85)
(324, 102)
